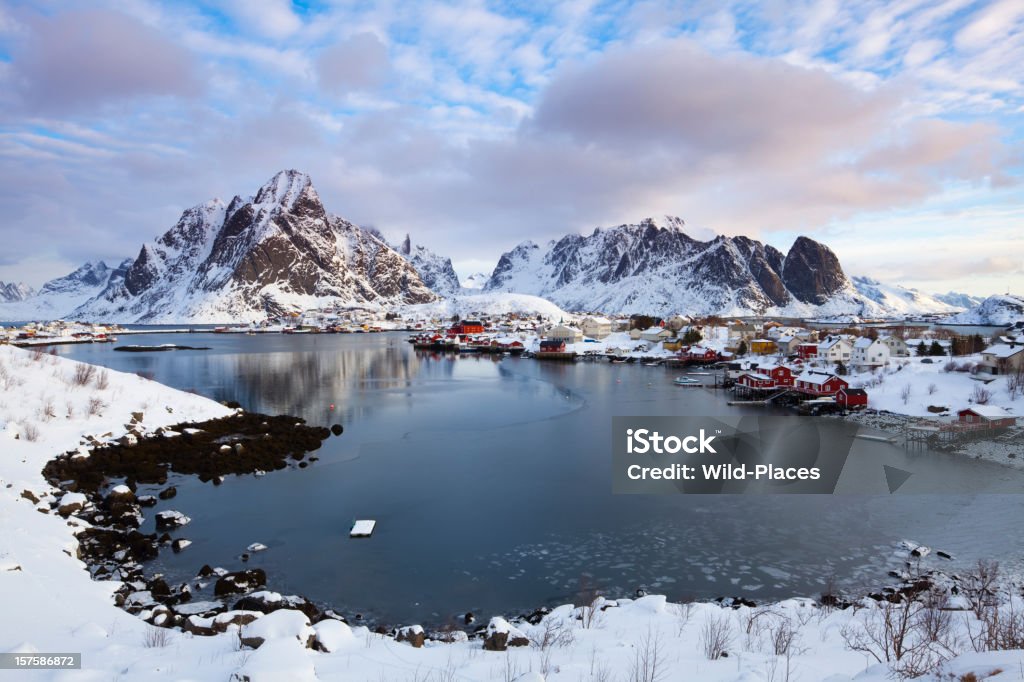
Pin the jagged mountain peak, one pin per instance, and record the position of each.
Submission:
(436, 271)
(285, 189)
(15, 291)
(277, 251)
(655, 266)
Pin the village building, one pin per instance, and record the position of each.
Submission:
(1002, 358)
(596, 327)
(552, 346)
(762, 346)
(565, 334)
(819, 384)
(897, 347)
(807, 350)
(834, 349)
(986, 416)
(852, 398)
(467, 327)
(781, 375)
(868, 352)
(787, 344)
(742, 331)
(655, 334)
(676, 322)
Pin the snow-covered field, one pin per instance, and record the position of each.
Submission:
(50, 604)
(930, 385)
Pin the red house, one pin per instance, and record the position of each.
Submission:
(852, 398)
(986, 416)
(807, 350)
(552, 346)
(780, 374)
(819, 384)
(700, 354)
(467, 327)
(756, 381)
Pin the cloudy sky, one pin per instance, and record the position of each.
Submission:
(890, 130)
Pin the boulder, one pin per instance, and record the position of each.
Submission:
(240, 581)
(332, 635)
(275, 661)
(267, 602)
(223, 622)
(281, 624)
(170, 519)
(71, 503)
(501, 634)
(168, 493)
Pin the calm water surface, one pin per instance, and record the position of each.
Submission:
(491, 488)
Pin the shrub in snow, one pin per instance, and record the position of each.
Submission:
(716, 635)
(980, 395)
(413, 634)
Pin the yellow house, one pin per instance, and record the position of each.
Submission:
(762, 346)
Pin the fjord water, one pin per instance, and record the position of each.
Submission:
(490, 483)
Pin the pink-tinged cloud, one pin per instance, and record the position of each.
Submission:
(79, 60)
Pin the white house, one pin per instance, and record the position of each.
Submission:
(787, 344)
(834, 349)
(655, 334)
(868, 352)
(1002, 358)
(897, 346)
(563, 333)
(596, 327)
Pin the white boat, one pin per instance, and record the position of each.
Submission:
(685, 381)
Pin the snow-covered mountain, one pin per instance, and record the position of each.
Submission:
(655, 267)
(1001, 309)
(14, 292)
(476, 281)
(435, 271)
(958, 300)
(274, 252)
(59, 297)
(895, 299)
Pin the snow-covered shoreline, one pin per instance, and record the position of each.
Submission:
(1006, 449)
(52, 605)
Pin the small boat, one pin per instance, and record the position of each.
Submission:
(699, 374)
(652, 364)
(685, 381)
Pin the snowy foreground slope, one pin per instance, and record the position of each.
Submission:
(51, 605)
